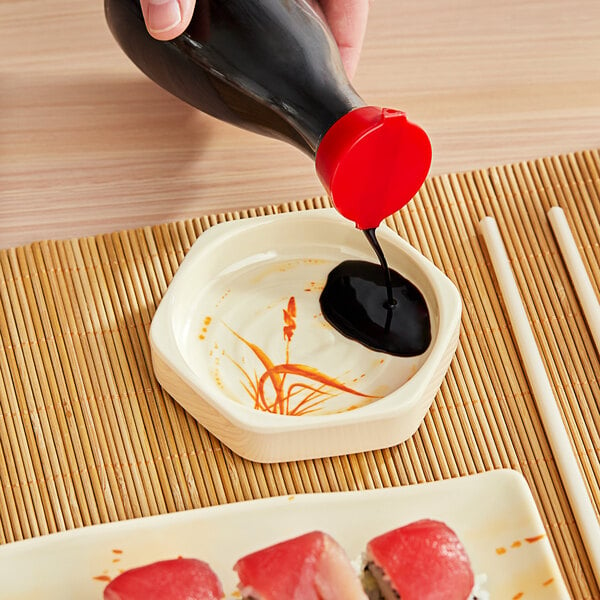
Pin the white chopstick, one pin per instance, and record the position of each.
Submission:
(577, 271)
(566, 461)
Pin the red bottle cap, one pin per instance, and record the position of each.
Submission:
(372, 162)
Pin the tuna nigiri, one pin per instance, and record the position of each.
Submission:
(177, 579)
(312, 566)
(423, 560)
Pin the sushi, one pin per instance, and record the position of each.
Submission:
(424, 560)
(312, 566)
(177, 579)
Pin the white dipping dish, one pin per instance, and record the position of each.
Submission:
(218, 337)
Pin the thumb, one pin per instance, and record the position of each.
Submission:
(347, 20)
(166, 19)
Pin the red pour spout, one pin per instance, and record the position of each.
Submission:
(372, 162)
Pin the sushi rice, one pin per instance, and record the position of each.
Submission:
(479, 592)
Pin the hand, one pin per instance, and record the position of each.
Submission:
(347, 19)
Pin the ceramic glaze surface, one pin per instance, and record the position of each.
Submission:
(257, 333)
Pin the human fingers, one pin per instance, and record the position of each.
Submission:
(166, 19)
(347, 20)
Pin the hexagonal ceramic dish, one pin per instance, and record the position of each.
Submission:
(240, 342)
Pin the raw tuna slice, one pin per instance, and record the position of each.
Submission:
(309, 567)
(423, 560)
(177, 579)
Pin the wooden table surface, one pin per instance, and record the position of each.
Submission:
(89, 145)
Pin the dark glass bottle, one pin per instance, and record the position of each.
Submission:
(272, 66)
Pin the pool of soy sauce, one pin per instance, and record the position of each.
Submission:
(376, 306)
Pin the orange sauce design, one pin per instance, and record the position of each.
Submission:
(104, 577)
(517, 543)
(205, 325)
(500, 550)
(272, 391)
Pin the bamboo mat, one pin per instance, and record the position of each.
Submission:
(88, 436)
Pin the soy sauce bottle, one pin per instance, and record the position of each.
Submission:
(272, 66)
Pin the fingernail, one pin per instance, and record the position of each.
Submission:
(163, 15)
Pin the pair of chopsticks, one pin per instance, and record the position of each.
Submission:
(564, 454)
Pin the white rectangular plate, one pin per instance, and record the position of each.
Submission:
(493, 513)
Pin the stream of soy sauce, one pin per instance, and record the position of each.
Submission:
(376, 306)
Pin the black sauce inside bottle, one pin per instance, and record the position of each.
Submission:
(376, 306)
(270, 66)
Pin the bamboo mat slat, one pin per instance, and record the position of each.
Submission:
(88, 436)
